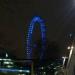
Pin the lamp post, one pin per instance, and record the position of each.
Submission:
(70, 54)
(64, 59)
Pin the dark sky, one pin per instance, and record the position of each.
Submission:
(15, 16)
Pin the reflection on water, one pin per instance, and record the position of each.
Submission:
(9, 67)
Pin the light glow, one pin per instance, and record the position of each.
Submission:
(64, 59)
(13, 70)
(1, 59)
(29, 36)
(70, 54)
(9, 66)
(6, 55)
(8, 62)
(42, 68)
(68, 47)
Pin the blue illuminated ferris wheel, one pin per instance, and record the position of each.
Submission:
(29, 50)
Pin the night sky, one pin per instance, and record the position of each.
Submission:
(15, 16)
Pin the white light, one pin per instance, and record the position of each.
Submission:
(6, 55)
(6, 59)
(56, 73)
(20, 70)
(27, 71)
(68, 47)
(42, 68)
(44, 72)
(54, 68)
(8, 62)
(1, 59)
(9, 66)
(70, 54)
(64, 59)
(72, 47)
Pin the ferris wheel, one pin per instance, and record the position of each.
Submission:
(29, 36)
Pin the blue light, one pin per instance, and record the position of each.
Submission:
(29, 36)
(13, 70)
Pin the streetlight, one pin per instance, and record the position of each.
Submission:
(64, 59)
(70, 54)
(68, 47)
